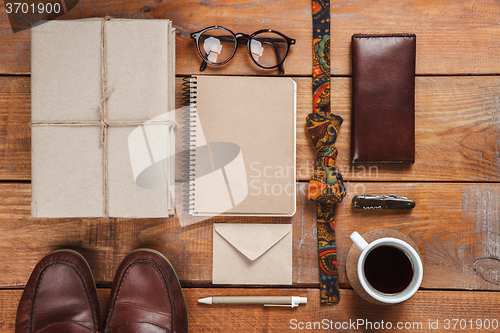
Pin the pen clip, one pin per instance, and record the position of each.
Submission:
(281, 305)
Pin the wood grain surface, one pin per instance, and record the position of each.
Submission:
(453, 225)
(454, 182)
(426, 311)
(453, 37)
(457, 130)
(15, 134)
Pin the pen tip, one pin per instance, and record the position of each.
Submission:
(206, 300)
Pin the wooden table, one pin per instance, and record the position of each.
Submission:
(454, 181)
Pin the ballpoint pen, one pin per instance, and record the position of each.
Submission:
(290, 301)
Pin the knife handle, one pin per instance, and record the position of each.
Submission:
(368, 201)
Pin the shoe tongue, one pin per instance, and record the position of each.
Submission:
(66, 327)
(137, 327)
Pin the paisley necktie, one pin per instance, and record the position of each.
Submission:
(326, 185)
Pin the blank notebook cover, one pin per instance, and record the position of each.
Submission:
(243, 145)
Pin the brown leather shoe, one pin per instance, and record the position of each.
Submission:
(60, 296)
(146, 296)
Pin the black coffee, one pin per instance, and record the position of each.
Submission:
(388, 269)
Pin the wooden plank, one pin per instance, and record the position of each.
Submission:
(426, 311)
(453, 225)
(453, 37)
(457, 131)
(424, 306)
(106, 241)
(14, 48)
(15, 134)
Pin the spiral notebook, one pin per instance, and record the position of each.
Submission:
(242, 137)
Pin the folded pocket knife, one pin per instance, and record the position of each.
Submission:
(369, 201)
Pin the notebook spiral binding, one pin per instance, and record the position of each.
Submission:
(189, 98)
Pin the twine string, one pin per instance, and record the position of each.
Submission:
(102, 106)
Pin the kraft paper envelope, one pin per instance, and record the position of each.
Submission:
(246, 253)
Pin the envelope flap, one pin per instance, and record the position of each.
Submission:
(253, 240)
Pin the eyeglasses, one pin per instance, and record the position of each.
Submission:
(217, 45)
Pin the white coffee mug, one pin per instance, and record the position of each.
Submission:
(410, 253)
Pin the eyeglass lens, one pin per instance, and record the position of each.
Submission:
(268, 49)
(217, 45)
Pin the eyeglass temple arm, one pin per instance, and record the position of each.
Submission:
(281, 68)
(273, 41)
(203, 66)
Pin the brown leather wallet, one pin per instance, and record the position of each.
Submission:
(383, 98)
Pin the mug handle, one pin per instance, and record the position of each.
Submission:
(358, 240)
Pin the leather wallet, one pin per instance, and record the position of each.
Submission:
(383, 98)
